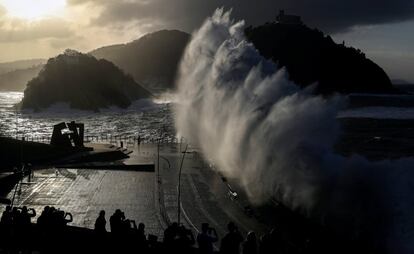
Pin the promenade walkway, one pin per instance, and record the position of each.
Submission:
(149, 197)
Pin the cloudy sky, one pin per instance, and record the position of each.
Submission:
(383, 29)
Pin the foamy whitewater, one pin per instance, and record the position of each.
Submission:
(150, 120)
(276, 140)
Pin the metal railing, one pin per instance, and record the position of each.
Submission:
(127, 139)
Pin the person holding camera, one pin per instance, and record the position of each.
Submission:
(206, 238)
(230, 244)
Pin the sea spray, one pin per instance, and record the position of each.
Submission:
(276, 139)
(250, 119)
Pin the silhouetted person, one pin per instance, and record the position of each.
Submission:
(7, 217)
(27, 215)
(116, 221)
(17, 218)
(42, 219)
(139, 140)
(24, 228)
(170, 234)
(100, 223)
(141, 238)
(230, 244)
(184, 240)
(6, 227)
(265, 244)
(141, 232)
(17, 229)
(52, 218)
(59, 220)
(206, 238)
(154, 247)
(250, 245)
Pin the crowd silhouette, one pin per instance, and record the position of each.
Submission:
(51, 234)
(18, 233)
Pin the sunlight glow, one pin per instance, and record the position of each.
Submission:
(33, 9)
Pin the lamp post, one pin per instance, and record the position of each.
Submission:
(158, 147)
(179, 186)
(158, 156)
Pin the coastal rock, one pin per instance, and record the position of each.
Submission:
(83, 82)
(311, 57)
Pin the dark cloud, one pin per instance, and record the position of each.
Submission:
(329, 15)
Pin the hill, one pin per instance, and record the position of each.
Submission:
(152, 60)
(21, 64)
(16, 80)
(311, 57)
(83, 82)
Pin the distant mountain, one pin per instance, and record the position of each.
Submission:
(21, 64)
(16, 80)
(152, 60)
(83, 82)
(311, 57)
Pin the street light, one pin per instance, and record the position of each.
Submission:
(158, 147)
(179, 186)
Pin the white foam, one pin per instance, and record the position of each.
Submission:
(277, 140)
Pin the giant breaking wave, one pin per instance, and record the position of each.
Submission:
(276, 139)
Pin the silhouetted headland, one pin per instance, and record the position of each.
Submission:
(152, 60)
(312, 57)
(83, 82)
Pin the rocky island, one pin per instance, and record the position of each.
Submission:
(83, 82)
(311, 57)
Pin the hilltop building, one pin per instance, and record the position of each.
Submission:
(282, 18)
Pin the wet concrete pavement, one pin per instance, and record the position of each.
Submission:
(85, 192)
(204, 195)
(149, 197)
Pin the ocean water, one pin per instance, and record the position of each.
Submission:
(85, 192)
(149, 119)
(377, 106)
(379, 113)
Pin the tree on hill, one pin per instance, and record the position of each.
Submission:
(82, 81)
